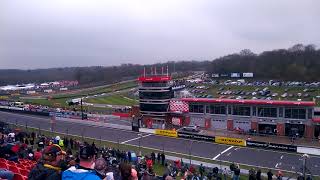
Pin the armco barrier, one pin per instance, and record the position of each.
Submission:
(170, 133)
(146, 130)
(25, 112)
(307, 150)
(195, 136)
(279, 147)
(230, 141)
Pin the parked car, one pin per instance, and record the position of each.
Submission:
(191, 128)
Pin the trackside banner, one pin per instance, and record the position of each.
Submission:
(264, 145)
(230, 141)
(195, 136)
(170, 133)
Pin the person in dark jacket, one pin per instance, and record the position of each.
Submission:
(269, 174)
(258, 175)
(49, 167)
(163, 158)
(158, 157)
(71, 143)
(66, 142)
(252, 174)
(153, 157)
(129, 156)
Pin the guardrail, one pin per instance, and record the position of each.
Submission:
(231, 141)
(22, 111)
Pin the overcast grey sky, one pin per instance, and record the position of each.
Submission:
(59, 33)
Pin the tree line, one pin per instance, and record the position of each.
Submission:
(299, 62)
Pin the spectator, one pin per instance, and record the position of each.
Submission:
(66, 142)
(33, 135)
(134, 174)
(269, 174)
(279, 175)
(236, 175)
(215, 171)
(300, 177)
(163, 158)
(73, 173)
(125, 171)
(71, 143)
(5, 174)
(31, 142)
(232, 167)
(252, 174)
(167, 171)
(309, 177)
(201, 170)
(158, 157)
(192, 169)
(50, 165)
(26, 141)
(37, 155)
(100, 166)
(258, 175)
(153, 157)
(225, 173)
(129, 156)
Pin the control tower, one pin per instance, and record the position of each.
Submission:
(155, 92)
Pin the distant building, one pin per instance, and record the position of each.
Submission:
(155, 93)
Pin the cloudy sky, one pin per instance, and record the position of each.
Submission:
(59, 33)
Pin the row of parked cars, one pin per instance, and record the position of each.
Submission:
(241, 82)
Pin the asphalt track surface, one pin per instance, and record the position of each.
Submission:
(242, 155)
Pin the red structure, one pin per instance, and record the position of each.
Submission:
(155, 93)
(268, 117)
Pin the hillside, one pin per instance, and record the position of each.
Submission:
(296, 63)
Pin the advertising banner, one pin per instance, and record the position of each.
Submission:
(235, 75)
(215, 75)
(170, 133)
(224, 75)
(195, 136)
(247, 75)
(281, 147)
(230, 141)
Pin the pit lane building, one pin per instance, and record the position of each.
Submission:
(265, 116)
(159, 108)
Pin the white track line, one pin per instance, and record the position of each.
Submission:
(222, 152)
(281, 157)
(135, 138)
(277, 165)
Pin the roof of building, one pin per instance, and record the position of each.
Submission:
(251, 102)
(154, 78)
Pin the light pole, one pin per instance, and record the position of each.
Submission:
(82, 134)
(304, 162)
(140, 135)
(190, 148)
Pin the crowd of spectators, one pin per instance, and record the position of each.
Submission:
(33, 156)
